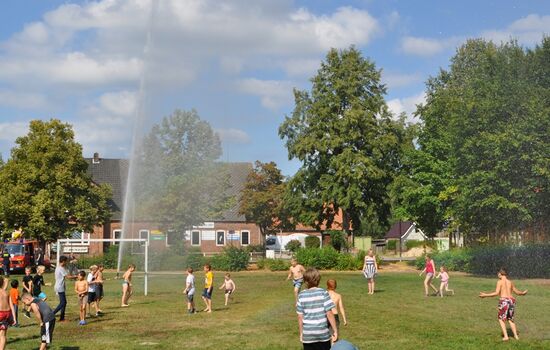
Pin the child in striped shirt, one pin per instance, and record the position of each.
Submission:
(314, 309)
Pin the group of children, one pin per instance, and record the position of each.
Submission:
(89, 290)
(228, 285)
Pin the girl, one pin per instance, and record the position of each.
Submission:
(127, 285)
(430, 271)
(370, 268)
(444, 281)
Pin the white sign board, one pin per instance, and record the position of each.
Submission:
(208, 235)
(69, 249)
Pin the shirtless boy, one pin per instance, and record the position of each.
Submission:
(127, 285)
(81, 288)
(337, 300)
(297, 274)
(6, 312)
(229, 287)
(507, 303)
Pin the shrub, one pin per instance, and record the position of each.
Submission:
(313, 242)
(274, 264)
(232, 259)
(347, 262)
(529, 261)
(194, 258)
(338, 239)
(453, 260)
(293, 245)
(320, 258)
(391, 244)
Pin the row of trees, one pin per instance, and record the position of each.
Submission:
(479, 159)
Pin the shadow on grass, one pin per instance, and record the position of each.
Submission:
(23, 339)
(70, 348)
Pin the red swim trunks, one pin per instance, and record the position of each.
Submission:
(506, 308)
(5, 318)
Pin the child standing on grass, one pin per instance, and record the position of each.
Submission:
(99, 286)
(506, 304)
(314, 309)
(92, 290)
(81, 288)
(208, 287)
(296, 271)
(229, 287)
(45, 317)
(27, 288)
(444, 286)
(7, 313)
(370, 268)
(14, 295)
(127, 285)
(430, 272)
(190, 290)
(337, 300)
(38, 282)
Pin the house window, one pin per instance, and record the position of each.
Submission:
(220, 238)
(143, 234)
(172, 237)
(82, 236)
(117, 234)
(245, 238)
(195, 238)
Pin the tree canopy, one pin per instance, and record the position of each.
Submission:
(44, 187)
(347, 141)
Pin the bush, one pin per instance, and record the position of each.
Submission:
(453, 260)
(194, 259)
(529, 261)
(391, 244)
(313, 242)
(232, 259)
(347, 262)
(273, 264)
(293, 245)
(320, 258)
(338, 239)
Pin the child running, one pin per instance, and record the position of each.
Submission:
(337, 300)
(444, 286)
(430, 272)
(14, 296)
(208, 287)
(506, 304)
(127, 285)
(190, 290)
(45, 317)
(7, 312)
(81, 288)
(229, 287)
(314, 309)
(297, 273)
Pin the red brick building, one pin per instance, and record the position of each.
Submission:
(211, 237)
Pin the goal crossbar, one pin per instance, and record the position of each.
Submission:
(84, 241)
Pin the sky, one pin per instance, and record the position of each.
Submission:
(108, 66)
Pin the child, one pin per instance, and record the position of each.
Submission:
(297, 273)
(430, 272)
(27, 288)
(370, 268)
(99, 287)
(81, 288)
(14, 295)
(314, 309)
(229, 286)
(337, 300)
(7, 312)
(38, 282)
(444, 281)
(45, 317)
(190, 290)
(208, 287)
(127, 285)
(92, 290)
(507, 303)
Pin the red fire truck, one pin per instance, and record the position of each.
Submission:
(22, 254)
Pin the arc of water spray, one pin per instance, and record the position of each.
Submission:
(128, 213)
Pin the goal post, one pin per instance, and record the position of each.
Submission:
(85, 241)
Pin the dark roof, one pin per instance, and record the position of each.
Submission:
(112, 172)
(398, 230)
(115, 171)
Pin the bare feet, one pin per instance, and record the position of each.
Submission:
(124, 305)
(505, 339)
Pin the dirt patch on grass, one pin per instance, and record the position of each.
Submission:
(399, 266)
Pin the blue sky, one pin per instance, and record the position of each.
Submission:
(235, 62)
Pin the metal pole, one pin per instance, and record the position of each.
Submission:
(58, 252)
(400, 242)
(146, 266)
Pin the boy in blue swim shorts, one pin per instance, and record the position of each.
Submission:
(297, 273)
(208, 287)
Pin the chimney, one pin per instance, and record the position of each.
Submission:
(96, 158)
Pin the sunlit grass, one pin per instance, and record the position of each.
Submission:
(262, 316)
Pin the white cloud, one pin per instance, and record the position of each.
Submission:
(421, 46)
(299, 67)
(273, 93)
(22, 100)
(397, 80)
(11, 130)
(527, 30)
(406, 105)
(236, 136)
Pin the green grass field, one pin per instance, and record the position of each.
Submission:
(262, 316)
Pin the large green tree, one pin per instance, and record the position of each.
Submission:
(347, 141)
(262, 199)
(178, 181)
(483, 148)
(44, 187)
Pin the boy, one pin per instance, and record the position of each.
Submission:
(208, 287)
(27, 288)
(6, 312)
(507, 303)
(99, 287)
(297, 274)
(14, 296)
(38, 282)
(45, 317)
(92, 290)
(127, 285)
(60, 275)
(229, 287)
(314, 309)
(190, 290)
(81, 288)
(337, 300)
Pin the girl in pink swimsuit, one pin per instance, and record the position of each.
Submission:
(444, 286)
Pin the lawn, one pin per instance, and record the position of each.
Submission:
(262, 316)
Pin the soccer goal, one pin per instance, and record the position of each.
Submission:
(74, 245)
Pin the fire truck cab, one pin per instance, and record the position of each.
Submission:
(22, 254)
